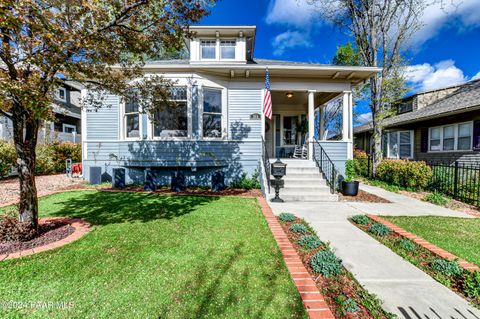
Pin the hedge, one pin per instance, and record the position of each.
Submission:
(404, 173)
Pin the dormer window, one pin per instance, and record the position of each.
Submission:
(209, 49)
(227, 49)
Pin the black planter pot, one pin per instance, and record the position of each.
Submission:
(350, 188)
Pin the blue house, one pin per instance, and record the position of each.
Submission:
(218, 124)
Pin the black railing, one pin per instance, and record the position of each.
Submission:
(460, 181)
(266, 164)
(326, 166)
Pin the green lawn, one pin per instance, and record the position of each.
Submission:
(460, 236)
(154, 256)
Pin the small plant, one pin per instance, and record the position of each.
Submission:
(309, 242)
(448, 268)
(11, 229)
(245, 182)
(361, 219)
(436, 198)
(471, 284)
(286, 217)
(347, 305)
(299, 228)
(349, 171)
(326, 263)
(379, 230)
(407, 245)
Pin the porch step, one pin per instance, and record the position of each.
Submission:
(304, 175)
(311, 182)
(302, 170)
(305, 189)
(308, 197)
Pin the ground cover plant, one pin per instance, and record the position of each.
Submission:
(155, 256)
(449, 273)
(343, 294)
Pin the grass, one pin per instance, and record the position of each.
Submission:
(460, 236)
(154, 256)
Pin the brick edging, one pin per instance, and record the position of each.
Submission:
(80, 226)
(425, 244)
(312, 298)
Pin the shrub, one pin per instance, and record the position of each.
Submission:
(379, 229)
(360, 160)
(309, 242)
(245, 182)
(347, 305)
(471, 284)
(45, 163)
(11, 229)
(448, 268)
(326, 263)
(409, 174)
(349, 171)
(7, 158)
(407, 245)
(51, 157)
(436, 198)
(286, 217)
(361, 219)
(299, 228)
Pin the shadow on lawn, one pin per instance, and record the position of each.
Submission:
(102, 208)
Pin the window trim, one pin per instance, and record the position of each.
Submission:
(124, 123)
(216, 47)
(412, 143)
(64, 99)
(64, 126)
(234, 50)
(151, 127)
(455, 143)
(222, 113)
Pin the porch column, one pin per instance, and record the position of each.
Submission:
(311, 123)
(321, 134)
(347, 122)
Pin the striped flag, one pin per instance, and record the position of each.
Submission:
(267, 99)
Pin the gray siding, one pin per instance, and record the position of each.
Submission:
(241, 104)
(103, 123)
(337, 151)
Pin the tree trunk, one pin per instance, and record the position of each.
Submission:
(25, 132)
(376, 121)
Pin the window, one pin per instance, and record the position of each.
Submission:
(62, 94)
(290, 130)
(68, 128)
(132, 119)
(405, 107)
(227, 49)
(208, 49)
(212, 113)
(171, 120)
(454, 137)
(399, 144)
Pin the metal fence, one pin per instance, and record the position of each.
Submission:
(460, 181)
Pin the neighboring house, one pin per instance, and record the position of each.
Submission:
(67, 124)
(435, 126)
(218, 124)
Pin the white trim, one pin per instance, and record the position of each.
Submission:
(412, 142)
(64, 126)
(222, 113)
(64, 99)
(123, 123)
(455, 136)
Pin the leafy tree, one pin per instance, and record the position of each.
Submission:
(103, 43)
(381, 29)
(347, 55)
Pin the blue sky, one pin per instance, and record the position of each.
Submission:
(446, 51)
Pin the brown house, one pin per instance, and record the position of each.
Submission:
(435, 126)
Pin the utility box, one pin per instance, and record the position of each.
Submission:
(118, 178)
(95, 175)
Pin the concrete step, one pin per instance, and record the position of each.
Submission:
(305, 189)
(308, 197)
(296, 163)
(304, 175)
(302, 170)
(314, 182)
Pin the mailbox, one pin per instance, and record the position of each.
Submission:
(278, 169)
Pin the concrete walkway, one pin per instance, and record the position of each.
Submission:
(405, 290)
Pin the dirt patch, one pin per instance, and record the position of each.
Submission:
(203, 192)
(49, 232)
(363, 196)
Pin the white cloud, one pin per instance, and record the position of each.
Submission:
(289, 40)
(476, 76)
(296, 13)
(363, 118)
(427, 77)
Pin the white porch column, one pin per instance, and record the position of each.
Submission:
(347, 122)
(321, 134)
(311, 123)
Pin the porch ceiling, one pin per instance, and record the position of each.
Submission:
(301, 98)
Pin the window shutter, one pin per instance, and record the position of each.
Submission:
(424, 140)
(476, 136)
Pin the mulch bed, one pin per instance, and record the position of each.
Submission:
(420, 257)
(202, 192)
(363, 197)
(49, 232)
(343, 285)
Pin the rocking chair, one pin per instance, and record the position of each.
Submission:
(301, 151)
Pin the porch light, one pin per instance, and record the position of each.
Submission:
(289, 95)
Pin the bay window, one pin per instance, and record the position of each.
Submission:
(132, 119)
(453, 137)
(399, 144)
(212, 113)
(171, 119)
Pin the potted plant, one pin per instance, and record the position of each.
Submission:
(349, 185)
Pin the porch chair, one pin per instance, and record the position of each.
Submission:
(301, 151)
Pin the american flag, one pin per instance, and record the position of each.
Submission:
(267, 99)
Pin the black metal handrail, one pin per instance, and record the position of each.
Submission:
(326, 166)
(266, 164)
